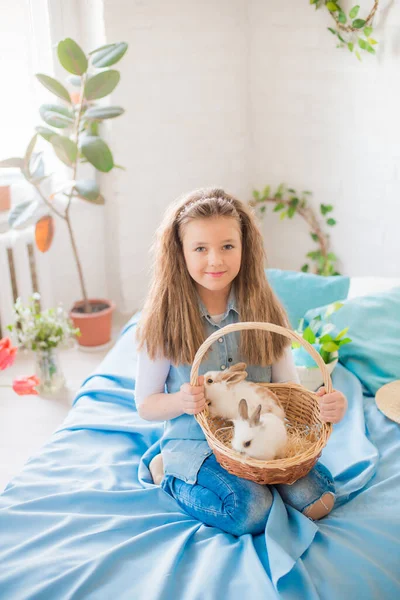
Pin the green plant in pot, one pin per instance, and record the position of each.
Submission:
(72, 130)
(320, 334)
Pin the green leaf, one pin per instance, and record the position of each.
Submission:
(12, 163)
(354, 11)
(309, 335)
(332, 30)
(372, 41)
(256, 194)
(267, 191)
(330, 347)
(101, 85)
(342, 333)
(342, 17)
(350, 46)
(37, 167)
(331, 222)
(75, 80)
(279, 207)
(108, 55)
(307, 192)
(22, 212)
(340, 38)
(332, 308)
(28, 153)
(97, 153)
(358, 55)
(367, 31)
(72, 57)
(263, 209)
(45, 132)
(326, 338)
(282, 215)
(56, 115)
(88, 189)
(305, 268)
(291, 190)
(362, 43)
(344, 342)
(332, 6)
(291, 211)
(66, 149)
(314, 254)
(54, 86)
(325, 208)
(314, 237)
(370, 49)
(103, 112)
(358, 23)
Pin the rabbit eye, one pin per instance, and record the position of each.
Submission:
(209, 380)
(247, 444)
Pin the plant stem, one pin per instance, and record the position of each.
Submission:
(350, 28)
(86, 306)
(309, 216)
(45, 200)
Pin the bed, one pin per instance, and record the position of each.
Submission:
(83, 518)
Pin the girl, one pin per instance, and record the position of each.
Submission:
(208, 273)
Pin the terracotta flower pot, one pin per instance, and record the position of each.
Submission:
(95, 327)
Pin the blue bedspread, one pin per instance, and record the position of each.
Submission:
(83, 520)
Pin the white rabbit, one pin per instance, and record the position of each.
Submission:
(260, 436)
(223, 391)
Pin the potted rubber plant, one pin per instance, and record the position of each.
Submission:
(72, 128)
(319, 333)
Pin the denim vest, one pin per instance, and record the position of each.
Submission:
(183, 445)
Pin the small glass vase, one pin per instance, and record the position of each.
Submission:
(49, 371)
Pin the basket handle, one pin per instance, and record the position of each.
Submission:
(292, 335)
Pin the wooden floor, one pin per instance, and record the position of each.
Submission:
(26, 422)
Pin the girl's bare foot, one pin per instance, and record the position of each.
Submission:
(321, 507)
(156, 468)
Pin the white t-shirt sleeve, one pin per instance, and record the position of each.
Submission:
(151, 376)
(284, 369)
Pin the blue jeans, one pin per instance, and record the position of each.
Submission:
(237, 505)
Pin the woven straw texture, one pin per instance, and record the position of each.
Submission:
(307, 434)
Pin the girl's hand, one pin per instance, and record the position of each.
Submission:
(332, 406)
(192, 398)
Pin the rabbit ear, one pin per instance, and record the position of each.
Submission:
(238, 367)
(255, 417)
(243, 410)
(231, 378)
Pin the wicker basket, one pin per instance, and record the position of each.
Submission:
(302, 419)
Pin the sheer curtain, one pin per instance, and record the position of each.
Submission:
(25, 49)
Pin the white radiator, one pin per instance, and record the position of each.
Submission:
(23, 271)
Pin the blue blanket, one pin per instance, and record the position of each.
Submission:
(84, 520)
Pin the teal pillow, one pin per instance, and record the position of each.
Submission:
(374, 327)
(299, 292)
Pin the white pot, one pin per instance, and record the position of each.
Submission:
(311, 377)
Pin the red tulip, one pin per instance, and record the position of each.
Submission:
(25, 386)
(7, 353)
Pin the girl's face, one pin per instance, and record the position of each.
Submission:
(212, 248)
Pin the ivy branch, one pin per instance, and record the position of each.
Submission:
(349, 28)
(294, 203)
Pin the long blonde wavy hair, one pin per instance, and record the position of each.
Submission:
(171, 324)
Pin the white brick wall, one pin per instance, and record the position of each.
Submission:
(240, 94)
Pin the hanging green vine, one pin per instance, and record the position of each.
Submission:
(294, 203)
(350, 30)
